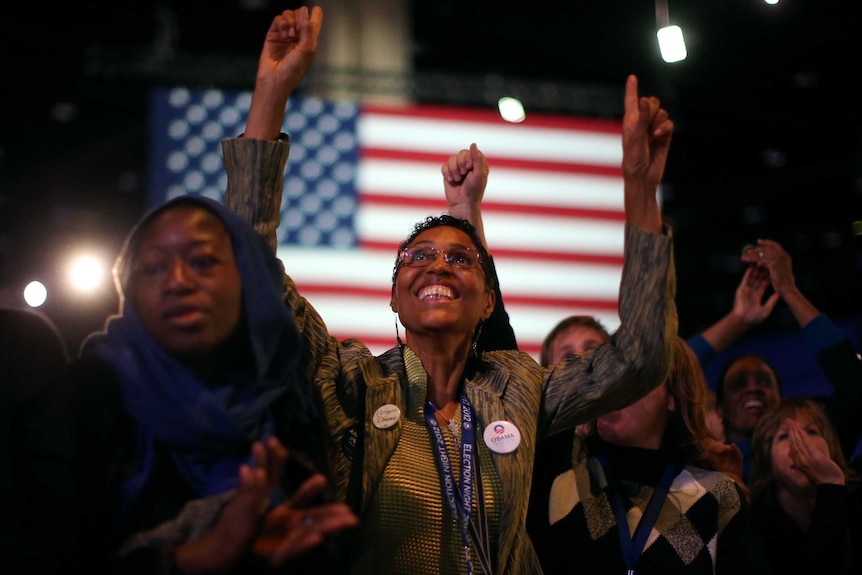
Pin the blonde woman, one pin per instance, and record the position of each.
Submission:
(805, 499)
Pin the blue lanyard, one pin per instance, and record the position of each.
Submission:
(633, 545)
(469, 472)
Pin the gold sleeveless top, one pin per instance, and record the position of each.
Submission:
(408, 528)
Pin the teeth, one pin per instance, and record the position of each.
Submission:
(753, 403)
(436, 292)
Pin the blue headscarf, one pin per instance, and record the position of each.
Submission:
(207, 427)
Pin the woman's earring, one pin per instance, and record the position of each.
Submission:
(397, 334)
(474, 349)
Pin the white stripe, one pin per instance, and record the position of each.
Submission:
(372, 269)
(547, 188)
(557, 280)
(556, 235)
(354, 316)
(369, 269)
(424, 180)
(532, 323)
(518, 141)
(503, 230)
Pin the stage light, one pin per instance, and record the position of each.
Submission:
(511, 110)
(671, 44)
(86, 273)
(670, 40)
(35, 293)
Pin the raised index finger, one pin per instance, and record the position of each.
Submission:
(631, 98)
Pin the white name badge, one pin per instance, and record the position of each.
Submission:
(386, 416)
(502, 436)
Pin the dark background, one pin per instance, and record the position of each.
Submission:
(768, 139)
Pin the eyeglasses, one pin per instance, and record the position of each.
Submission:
(462, 258)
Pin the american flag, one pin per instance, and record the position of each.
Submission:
(359, 177)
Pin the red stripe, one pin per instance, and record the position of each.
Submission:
(309, 290)
(533, 348)
(503, 162)
(427, 204)
(492, 116)
(369, 341)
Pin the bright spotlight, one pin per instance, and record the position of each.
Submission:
(671, 44)
(35, 294)
(511, 110)
(86, 273)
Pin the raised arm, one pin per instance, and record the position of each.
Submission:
(769, 256)
(465, 176)
(637, 357)
(749, 310)
(647, 132)
(289, 48)
(255, 163)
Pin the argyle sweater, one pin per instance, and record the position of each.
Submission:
(704, 526)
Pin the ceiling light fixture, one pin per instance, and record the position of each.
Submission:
(670, 40)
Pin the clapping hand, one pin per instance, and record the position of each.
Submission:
(748, 302)
(247, 523)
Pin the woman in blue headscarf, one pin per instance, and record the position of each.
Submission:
(191, 395)
(190, 439)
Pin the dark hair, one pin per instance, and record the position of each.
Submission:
(719, 386)
(586, 321)
(453, 222)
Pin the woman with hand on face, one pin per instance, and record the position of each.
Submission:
(807, 502)
(749, 384)
(432, 442)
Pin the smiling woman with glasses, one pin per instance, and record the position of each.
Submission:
(432, 442)
(422, 254)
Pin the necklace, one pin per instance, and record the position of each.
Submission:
(450, 423)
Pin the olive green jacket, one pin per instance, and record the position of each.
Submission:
(351, 383)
